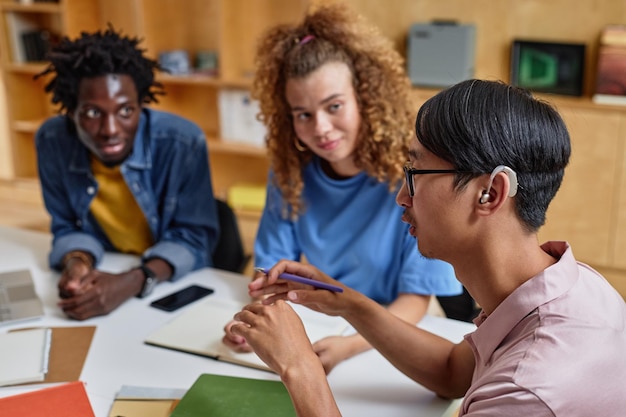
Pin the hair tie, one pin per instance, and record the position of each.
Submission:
(306, 39)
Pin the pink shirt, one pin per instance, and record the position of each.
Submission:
(555, 347)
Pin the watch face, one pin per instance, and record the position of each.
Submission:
(148, 286)
(149, 283)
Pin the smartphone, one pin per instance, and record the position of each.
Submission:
(181, 298)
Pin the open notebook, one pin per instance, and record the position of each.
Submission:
(200, 329)
(18, 299)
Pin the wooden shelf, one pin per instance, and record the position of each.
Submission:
(30, 8)
(26, 68)
(584, 102)
(26, 126)
(203, 80)
(236, 148)
(579, 102)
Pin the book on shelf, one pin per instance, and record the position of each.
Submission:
(16, 25)
(226, 396)
(247, 196)
(24, 356)
(199, 330)
(36, 44)
(238, 122)
(65, 400)
(611, 69)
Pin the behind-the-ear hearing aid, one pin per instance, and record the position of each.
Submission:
(484, 197)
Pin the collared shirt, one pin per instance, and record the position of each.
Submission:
(167, 173)
(352, 230)
(555, 347)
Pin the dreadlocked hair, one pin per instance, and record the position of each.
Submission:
(332, 33)
(97, 54)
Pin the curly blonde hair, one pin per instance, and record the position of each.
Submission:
(331, 33)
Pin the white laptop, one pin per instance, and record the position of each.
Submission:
(18, 299)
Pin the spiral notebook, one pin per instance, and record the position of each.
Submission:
(24, 356)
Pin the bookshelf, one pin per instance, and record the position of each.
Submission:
(27, 105)
(229, 28)
(590, 209)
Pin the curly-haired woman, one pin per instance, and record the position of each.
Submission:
(335, 99)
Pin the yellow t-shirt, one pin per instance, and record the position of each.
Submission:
(117, 212)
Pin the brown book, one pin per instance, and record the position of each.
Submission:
(611, 71)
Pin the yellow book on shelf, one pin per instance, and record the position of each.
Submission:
(247, 196)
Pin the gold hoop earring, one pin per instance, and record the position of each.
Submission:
(298, 146)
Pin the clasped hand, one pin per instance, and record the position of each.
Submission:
(87, 292)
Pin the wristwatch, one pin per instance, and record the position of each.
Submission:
(149, 283)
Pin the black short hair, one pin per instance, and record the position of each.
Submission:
(477, 125)
(97, 54)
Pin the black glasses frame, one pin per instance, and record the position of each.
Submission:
(410, 172)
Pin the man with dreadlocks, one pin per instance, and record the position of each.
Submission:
(117, 176)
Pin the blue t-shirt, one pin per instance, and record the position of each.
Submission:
(351, 229)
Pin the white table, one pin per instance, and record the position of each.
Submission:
(366, 385)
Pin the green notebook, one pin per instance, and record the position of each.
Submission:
(228, 396)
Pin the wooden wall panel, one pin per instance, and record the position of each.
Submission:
(498, 22)
(619, 251)
(581, 210)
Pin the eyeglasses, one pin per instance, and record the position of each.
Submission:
(410, 172)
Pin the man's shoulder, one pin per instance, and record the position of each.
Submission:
(55, 129)
(54, 124)
(165, 124)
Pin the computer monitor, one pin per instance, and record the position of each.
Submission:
(548, 67)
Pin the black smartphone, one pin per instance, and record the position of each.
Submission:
(181, 298)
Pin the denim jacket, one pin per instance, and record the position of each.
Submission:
(168, 174)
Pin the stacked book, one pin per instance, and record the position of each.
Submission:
(210, 395)
(611, 72)
(36, 44)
